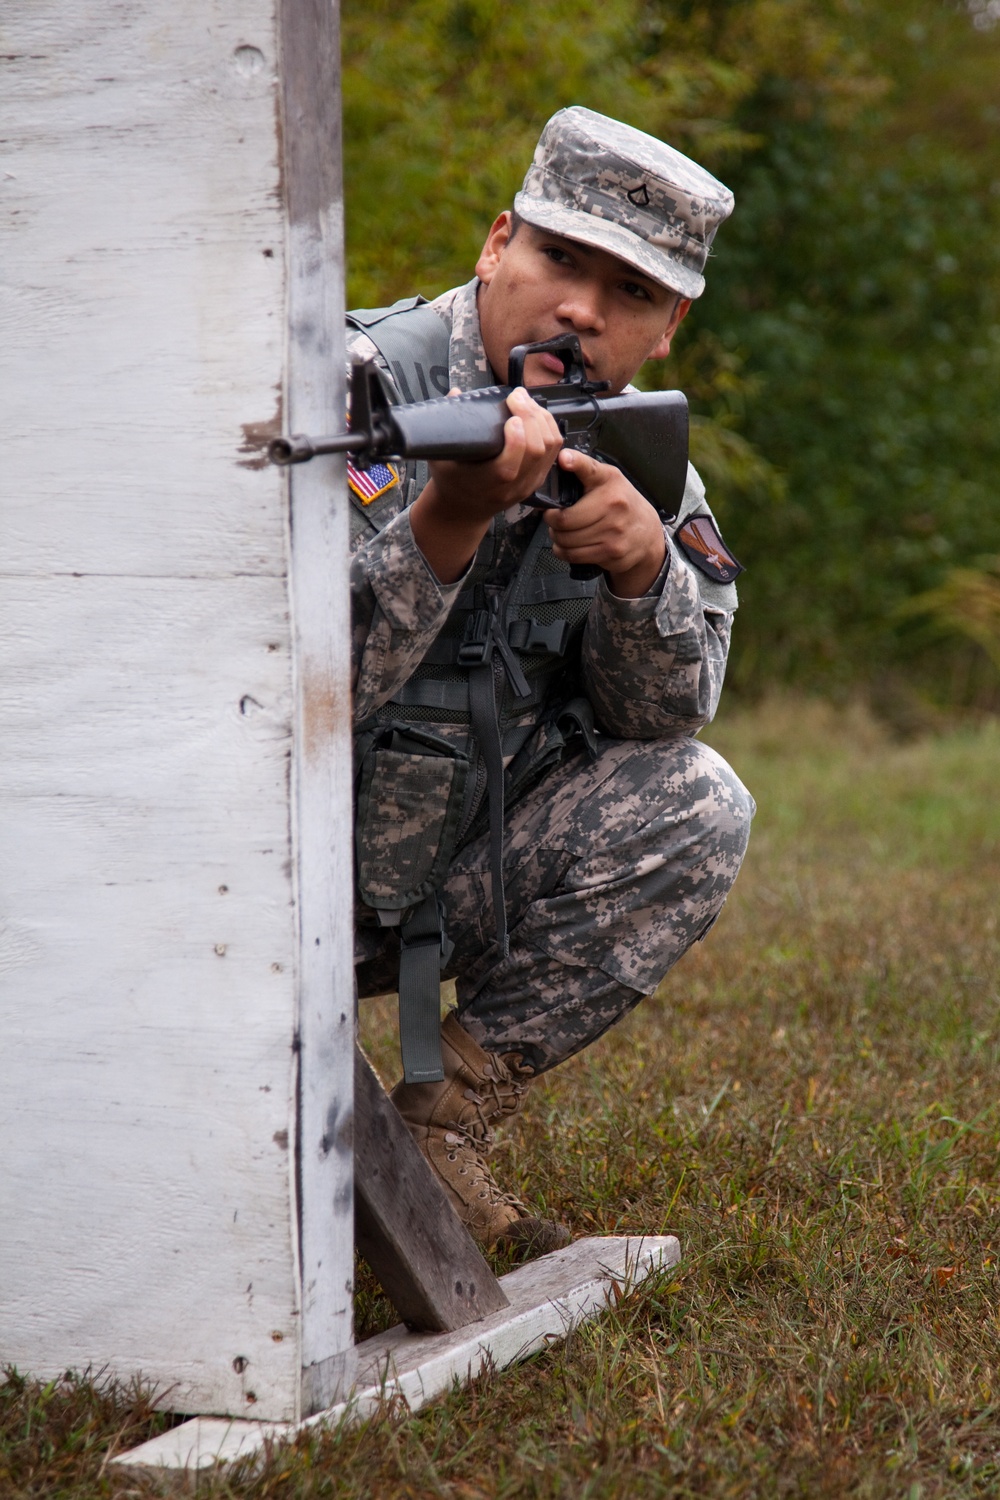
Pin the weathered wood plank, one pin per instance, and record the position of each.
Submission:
(141, 310)
(426, 1260)
(547, 1298)
(146, 964)
(323, 823)
(148, 955)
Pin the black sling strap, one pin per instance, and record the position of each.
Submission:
(413, 341)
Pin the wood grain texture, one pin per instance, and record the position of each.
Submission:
(142, 301)
(148, 945)
(323, 767)
(426, 1260)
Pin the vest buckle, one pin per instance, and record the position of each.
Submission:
(539, 640)
(477, 639)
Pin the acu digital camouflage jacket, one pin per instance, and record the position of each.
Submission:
(644, 668)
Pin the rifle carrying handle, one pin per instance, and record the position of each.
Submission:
(565, 346)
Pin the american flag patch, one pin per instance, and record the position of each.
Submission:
(368, 484)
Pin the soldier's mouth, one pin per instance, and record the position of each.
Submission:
(550, 363)
(554, 365)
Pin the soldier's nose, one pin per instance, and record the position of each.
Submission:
(583, 314)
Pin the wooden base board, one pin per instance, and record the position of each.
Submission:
(547, 1297)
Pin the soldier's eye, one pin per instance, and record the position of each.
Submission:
(557, 254)
(637, 290)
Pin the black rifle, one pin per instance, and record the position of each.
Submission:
(643, 433)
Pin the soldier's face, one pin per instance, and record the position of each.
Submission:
(538, 285)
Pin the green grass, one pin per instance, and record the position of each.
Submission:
(811, 1104)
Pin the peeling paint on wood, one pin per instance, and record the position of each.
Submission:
(257, 436)
(323, 777)
(150, 942)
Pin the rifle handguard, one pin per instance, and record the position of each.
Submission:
(643, 433)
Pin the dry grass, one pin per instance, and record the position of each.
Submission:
(811, 1104)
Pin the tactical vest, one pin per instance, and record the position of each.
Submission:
(490, 708)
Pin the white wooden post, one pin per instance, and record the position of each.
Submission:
(320, 546)
(175, 1002)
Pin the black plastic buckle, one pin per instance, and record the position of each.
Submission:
(538, 639)
(477, 640)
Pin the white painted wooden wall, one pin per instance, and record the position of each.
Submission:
(150, 966)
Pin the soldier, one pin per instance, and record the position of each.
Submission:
(536, 818)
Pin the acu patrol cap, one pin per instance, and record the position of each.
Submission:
(608, 185)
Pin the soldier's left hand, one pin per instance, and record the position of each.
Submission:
(611, 526)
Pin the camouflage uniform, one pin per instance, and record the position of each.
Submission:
(615, 863)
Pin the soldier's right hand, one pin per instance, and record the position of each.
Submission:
(452, 515)
(531, 443)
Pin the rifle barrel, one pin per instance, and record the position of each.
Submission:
(298, 448)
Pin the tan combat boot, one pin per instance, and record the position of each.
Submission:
(452, 1123)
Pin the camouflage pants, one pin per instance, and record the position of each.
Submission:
(613, 868)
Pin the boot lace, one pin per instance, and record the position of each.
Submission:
(494, 1098)
(497, 1095)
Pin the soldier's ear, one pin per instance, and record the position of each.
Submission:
(495, 244)
(680, 311)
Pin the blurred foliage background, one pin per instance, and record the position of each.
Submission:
(843, 366)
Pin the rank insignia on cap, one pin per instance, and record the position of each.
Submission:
(701, 543)
(368, 484)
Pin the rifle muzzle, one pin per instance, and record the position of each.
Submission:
(298, 448)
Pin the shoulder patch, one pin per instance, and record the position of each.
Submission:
(369, 483)
(701, 543)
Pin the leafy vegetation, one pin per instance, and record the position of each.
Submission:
(843, 365)
(810, 1104)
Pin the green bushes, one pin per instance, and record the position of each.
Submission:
(844, 364)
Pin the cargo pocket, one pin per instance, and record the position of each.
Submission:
(410, 800)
